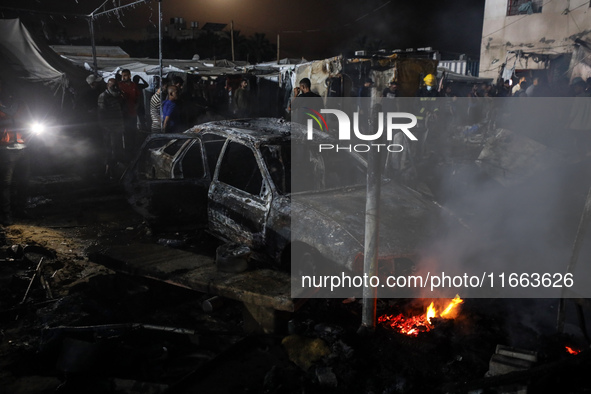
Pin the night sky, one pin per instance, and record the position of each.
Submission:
(308, 28)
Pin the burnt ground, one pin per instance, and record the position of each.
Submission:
(104, 332)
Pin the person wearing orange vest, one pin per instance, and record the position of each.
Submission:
(14, 165)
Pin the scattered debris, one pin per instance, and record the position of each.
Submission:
(173, 243)
(507, 359)
(37, 271)
(232, 258)
(326, 377)
(212, 304)
(305, 352)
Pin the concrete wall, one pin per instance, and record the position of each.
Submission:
(550, 32)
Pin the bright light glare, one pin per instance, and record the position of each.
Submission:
(38, 128)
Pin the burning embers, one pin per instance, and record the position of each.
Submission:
(571, 350)
(414, 325)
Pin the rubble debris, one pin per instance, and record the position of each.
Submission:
(211, 304)
(117, 329)
(326, 377)
(16, 251)
(271, 381)
(508, 359)
(173, 243)
(33, 253)
(232, 258)
(517, 353)
(27, 307)
(342, 350)
(37, 201)
(135, 387)
(46, 287)
(304, 352)
(32, 384)
(77, 356)
(563, 370)
(37, 271)
(329, 333)
(295, 326)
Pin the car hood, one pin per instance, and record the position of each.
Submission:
(407, 218)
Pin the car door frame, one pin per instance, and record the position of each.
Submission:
(231, 210)
(184, 195)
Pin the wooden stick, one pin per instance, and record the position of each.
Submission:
(31, 283)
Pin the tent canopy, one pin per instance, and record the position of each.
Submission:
(29, 64)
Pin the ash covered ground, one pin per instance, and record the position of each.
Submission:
(92, 330)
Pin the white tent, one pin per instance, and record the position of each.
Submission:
(23, 58)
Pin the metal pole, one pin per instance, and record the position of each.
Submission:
(232, 38)
(580, 236)
(91, 26)
(370, 261)
(278, 46)
(160, 59)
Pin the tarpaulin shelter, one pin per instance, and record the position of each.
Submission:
(29, 63)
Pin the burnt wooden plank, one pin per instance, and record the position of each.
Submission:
(264, 287)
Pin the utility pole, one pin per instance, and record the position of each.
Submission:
(232, 38)
(91, 27)
(278, 46)
(370, 261)
(160, 60)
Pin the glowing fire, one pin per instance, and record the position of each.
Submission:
(571, 350)
(422, 323)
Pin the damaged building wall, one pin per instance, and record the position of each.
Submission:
(319, 72)
(549, 32)
(581, 62)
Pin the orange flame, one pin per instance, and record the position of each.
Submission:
(451, 310)
(431, 312)
(422, 323)
(571, 350)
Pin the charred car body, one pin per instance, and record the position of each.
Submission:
(256, 182)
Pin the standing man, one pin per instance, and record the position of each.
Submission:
(89, 97)
(305, 88)
(87, 114)
(392, 90)
(131, 97)
(155, 106)
(428, 107)
(141, 107)
(304, 91)
(110, 103)
(517, 86)
(14, 164)
(171, 112)
(364, 102)
(242, 100)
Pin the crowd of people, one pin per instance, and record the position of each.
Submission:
(123, 110)
(448, 112)
(128, 109)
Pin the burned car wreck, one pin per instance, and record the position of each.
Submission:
(257, 183)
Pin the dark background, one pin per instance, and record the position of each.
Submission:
(309, 29)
